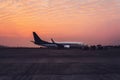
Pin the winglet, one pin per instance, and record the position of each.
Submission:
(52, 40)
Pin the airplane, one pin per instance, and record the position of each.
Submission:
(53, 44)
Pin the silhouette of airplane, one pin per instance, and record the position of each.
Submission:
(53, 44)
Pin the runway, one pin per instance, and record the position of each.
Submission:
(63, 64)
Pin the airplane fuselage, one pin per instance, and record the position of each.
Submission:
(54, 44)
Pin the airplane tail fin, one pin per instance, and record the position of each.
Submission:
(36, 37)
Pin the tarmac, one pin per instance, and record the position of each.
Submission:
(59, 64)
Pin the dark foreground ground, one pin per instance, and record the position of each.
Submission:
(50, 64)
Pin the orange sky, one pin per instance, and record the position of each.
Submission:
(89, 21)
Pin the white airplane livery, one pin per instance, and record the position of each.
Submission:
(53, 44)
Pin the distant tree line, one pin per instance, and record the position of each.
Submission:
(99, 47)
(92, 47)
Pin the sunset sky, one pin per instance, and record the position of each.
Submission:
(88, 21)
